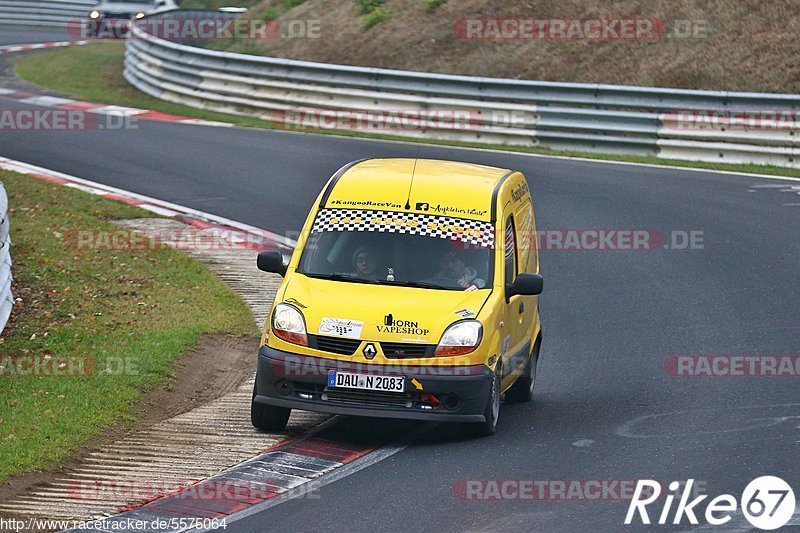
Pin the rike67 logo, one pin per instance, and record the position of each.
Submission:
(767, 502)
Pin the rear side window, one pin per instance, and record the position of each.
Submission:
(510, 252)
(526, 238)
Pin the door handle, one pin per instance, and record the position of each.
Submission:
(521, 307)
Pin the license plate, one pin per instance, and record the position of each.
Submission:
(350, 380)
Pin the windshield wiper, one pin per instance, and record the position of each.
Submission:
(355, 279)
(417, 284)
(338, 277)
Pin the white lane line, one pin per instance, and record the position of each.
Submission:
(38, 46)
(117, 110)
(201, 122)
(48, 101)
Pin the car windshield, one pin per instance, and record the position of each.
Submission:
(405, 249)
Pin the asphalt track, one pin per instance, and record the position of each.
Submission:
(18, 35)
(605, 406)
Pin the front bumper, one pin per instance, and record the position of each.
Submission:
(296, 381)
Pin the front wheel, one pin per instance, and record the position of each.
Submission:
(491, 414)
(268, 417)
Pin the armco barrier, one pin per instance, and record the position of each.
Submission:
(47, 13)
(6, 299)
(562, 116)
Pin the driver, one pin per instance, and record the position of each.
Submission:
(365, 263)
(453, 267)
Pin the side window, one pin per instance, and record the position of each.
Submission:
(510, 252)
(525, 238)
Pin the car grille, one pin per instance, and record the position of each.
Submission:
(334, 344)
(124, 16)
(367, 398)
(400, 350)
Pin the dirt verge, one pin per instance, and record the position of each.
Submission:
(217, 366)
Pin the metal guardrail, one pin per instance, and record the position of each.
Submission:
(561, 116)
(47, 13)
(6, 299)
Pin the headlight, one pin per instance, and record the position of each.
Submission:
(94, 15)
(289, 325)
(139, 15)
(460, 338)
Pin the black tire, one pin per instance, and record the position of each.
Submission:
(491, 413)
(268, 417)
(522, 390)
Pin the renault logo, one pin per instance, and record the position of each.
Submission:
(370, 351)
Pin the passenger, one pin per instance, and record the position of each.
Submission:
(454, 268)
(365, 263)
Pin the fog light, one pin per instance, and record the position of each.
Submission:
(452, 402)
(284, 387)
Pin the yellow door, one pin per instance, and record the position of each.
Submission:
(515, 336)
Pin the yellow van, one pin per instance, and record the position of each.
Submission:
(412, 293)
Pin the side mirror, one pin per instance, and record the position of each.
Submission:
(271, 261)
(526, 285)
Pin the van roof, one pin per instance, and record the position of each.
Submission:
(446, 188)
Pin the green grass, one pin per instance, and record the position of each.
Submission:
(94, 73)
(145, 308)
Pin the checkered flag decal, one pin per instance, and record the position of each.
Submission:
(456, 229)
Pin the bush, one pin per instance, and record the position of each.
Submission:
(433, 5)
(376, 16)
(270, 14)
(366, 7)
